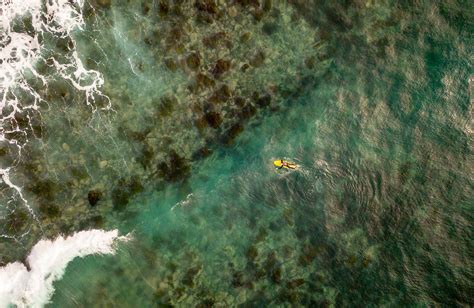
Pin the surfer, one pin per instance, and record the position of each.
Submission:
(284, 164)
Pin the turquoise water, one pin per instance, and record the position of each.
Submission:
(379, 213)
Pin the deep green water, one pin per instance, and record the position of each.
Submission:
(380, 212)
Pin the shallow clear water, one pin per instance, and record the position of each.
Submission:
(379, 213)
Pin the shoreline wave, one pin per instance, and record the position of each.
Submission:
(47, 263)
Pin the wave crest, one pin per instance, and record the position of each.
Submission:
(48, 261)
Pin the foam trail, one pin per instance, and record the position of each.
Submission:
(48, 261)
(21, 48)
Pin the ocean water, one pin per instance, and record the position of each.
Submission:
(160, 121)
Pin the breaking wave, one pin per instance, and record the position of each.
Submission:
(47, 262)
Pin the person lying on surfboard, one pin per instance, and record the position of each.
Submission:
(284, 164)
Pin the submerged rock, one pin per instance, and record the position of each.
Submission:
(245, 3)
(237, 280)
(207, 11)
(105, 4)
(262, 234)
(120, 198)
(269, 28)
(171, 64)
(221, 95)
(258, 59)
(16, 221)
(45, 189)
(222, 66)
(201, 124)
(94, 197)
(124, 191)
(97, 221)
(188, 279)
(78, 172)
(167, 105)
(146, 156)
(308, 255)
(202, 153)
(163, 8)
(276, 275)
(193, 61)
(49, 210)
(203, 81)
(207, 6)
(146, 7)
(293, 297)
(175, 169)
(214, 119)
(264, 101)
(239, 101)
(294, 283)
(134, 185)
(267, 5)
(230, 135)
(273, 268)
(245, 37)
(252, 253)
(207, 303)
(215, 40)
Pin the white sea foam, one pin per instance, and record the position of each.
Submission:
(20, 50)
(48, 261)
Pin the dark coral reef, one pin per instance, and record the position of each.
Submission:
(205, 70)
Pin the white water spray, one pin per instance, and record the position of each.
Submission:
(48, 261)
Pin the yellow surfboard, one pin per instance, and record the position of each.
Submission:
(280, 163)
